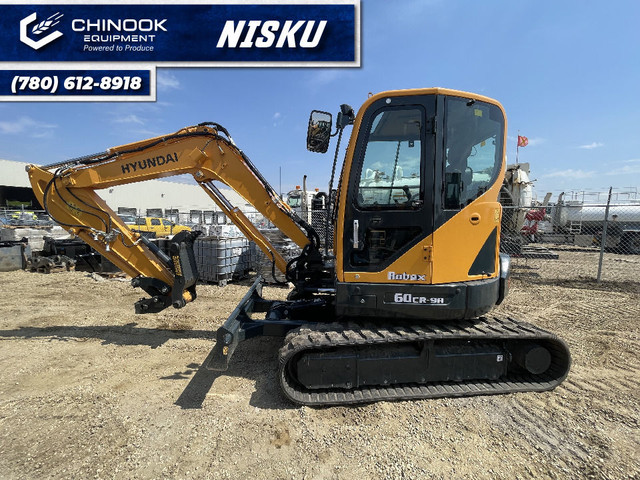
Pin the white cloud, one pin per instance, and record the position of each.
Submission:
(591, 146)
(26, 125)
(166, 81)
(533, 142)
(136, 113)
(131, 118)
(327, 76)
(146, 133)
(626, 170)
(277, 119)
(412, 12)
(570, 173)
(45, 133)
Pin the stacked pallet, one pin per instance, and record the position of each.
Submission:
(35, 235)
(221, 259)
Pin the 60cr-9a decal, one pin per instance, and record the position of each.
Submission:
(416, 299)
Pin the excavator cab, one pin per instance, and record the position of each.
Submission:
(418, 218)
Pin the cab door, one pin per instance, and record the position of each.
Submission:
(155, 225)
(467, 227)
(389, 210)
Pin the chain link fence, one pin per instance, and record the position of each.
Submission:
(568, 241)
(574, 240)
(24, 217)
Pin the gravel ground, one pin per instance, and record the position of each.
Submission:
(90, 390)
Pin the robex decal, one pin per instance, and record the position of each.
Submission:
(406, 276)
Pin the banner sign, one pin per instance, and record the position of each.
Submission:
(92, 84)
(176, 34)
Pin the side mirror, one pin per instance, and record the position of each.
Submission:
(319, 131)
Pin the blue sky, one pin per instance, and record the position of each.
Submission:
(567, 74)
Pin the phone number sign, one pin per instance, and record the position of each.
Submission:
(90, 85)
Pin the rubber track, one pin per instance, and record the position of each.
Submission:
(326, 336)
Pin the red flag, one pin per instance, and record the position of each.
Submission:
(523, 141)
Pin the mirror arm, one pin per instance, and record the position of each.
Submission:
(330, 196)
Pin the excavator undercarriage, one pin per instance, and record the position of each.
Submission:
(336, 361)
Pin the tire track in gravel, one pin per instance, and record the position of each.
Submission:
(527, 415)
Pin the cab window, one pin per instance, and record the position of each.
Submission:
(294, 201)
(390, 177)
(155, 221)
(473, 145)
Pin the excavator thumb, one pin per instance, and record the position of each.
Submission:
(181, 260)
(184, 268)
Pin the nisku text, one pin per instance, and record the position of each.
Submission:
(233, 32)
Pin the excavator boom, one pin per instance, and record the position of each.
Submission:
(68, 191)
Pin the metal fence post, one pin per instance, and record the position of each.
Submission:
(603, 240)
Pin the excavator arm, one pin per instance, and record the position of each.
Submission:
(67, 191)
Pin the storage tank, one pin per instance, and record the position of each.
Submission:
(586, 218)
(517, 183)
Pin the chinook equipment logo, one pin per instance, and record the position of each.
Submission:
(151, 162)
(38, 29)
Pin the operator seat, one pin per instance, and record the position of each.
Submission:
(457, 164)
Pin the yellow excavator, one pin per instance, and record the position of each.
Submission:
(397, 307)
